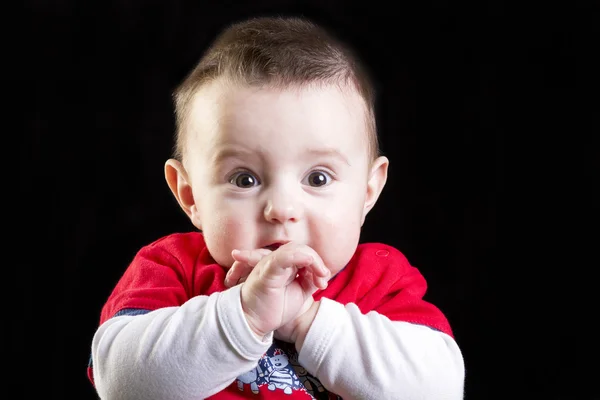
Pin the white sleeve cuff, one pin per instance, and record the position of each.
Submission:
(236, 328)
(330, 316)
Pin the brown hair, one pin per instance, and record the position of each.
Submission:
(281, 52)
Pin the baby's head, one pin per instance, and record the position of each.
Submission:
(276, 141)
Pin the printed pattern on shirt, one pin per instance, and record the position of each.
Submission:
(279, 370)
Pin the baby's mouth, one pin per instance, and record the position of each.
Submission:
(273, 246)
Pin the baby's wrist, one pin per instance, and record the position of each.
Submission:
(257, 332)
(303, 325)
(250, 317)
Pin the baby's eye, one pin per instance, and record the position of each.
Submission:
(243, 180)
(318, 179)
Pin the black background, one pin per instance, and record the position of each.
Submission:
(487, 110)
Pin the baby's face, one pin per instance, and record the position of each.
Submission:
(268, 166)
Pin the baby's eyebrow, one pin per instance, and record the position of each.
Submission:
(224, 153)
(325, 153)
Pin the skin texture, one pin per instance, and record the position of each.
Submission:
(280, 182)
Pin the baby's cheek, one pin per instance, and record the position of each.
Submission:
(343, 219)
(339, 238)
(230, 231)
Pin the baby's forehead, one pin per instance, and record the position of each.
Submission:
(316, 117)
(311, 106)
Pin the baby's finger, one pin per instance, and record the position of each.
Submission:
(292, 258)
(280, 268)
(307, 281)
(238, 273)
(311, 282)
(251, 257)
(320, 270)
(305, 260)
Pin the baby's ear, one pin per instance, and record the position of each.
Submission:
(181, 187)
(375, 184)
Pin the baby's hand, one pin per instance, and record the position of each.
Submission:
(244, 264)
(279, 285)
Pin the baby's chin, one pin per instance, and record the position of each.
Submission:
(220, 254)
(334, 270)
(225, 260)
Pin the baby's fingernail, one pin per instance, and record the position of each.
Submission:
(235, 252)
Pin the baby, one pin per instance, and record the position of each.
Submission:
(276, 165)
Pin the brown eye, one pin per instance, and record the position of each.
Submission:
(318, 178)
(244, 180)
